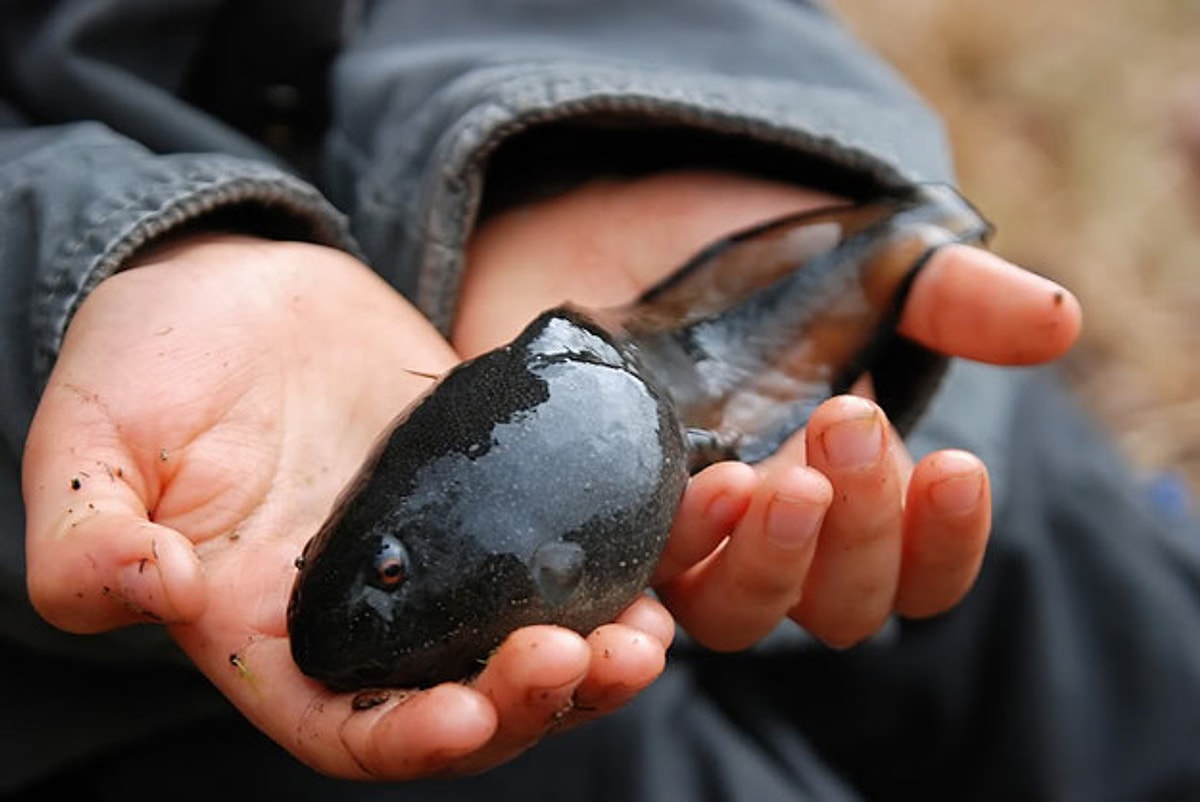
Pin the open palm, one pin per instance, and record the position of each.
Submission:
(205, 411)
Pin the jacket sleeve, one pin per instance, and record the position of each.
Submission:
(75, 202)
(101, 152)
(99, 155)
(436, 113)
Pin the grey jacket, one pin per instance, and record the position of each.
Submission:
(385, 129)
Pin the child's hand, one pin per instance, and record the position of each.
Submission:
(839, 529)
(206, 408)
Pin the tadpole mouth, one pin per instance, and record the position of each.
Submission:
(345, 669)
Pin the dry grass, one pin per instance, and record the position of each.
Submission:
(1069, 120)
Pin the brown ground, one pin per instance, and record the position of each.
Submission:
(1070, 120)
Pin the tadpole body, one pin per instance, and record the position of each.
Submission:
(537, 482)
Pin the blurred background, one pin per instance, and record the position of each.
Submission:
(1076, 125)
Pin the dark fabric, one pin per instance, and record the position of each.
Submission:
(1072, 672)
(673, 743)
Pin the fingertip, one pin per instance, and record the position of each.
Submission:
(721, 491)
(451, 722)
(1050, 318)
(972, 303)
(651, 617)
(847, 406)
(954, 481)
(1064, 323)
(539, 656)
(627, 653)
(625, 661)
(847, 435)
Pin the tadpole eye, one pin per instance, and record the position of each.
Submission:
(391, 563)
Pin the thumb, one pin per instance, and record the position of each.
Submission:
(94, 561)
(113, 569)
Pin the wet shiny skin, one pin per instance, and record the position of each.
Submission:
(537, 482)
(506, 520)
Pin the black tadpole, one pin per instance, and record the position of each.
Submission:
(537, 482)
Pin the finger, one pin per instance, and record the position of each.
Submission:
(407, 735)
(715, 500)
(947, 521)
(647, 615)
(380, 734)
(531, 681)
(94, 561)
(851, 583)
(624, 662)
(111, 569)
(971, 303)
(742, 592)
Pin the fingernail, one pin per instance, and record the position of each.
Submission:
(725, 510)
(856, 443)
(792, 523)
(957, 495)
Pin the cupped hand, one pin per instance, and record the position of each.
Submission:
(839, 529)
(206, 408)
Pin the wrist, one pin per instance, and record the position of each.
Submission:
(603, 242)
(186, 241)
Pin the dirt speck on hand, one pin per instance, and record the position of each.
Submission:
(365, 700)
(238, 662)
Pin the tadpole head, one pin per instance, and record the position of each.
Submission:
(349, 606)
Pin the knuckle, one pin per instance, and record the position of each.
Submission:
(863, 522)
(729, 638)
(765, 588)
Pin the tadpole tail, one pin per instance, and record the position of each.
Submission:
(758, 329)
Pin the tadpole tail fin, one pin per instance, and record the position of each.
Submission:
(752, 334)
(728, 272)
